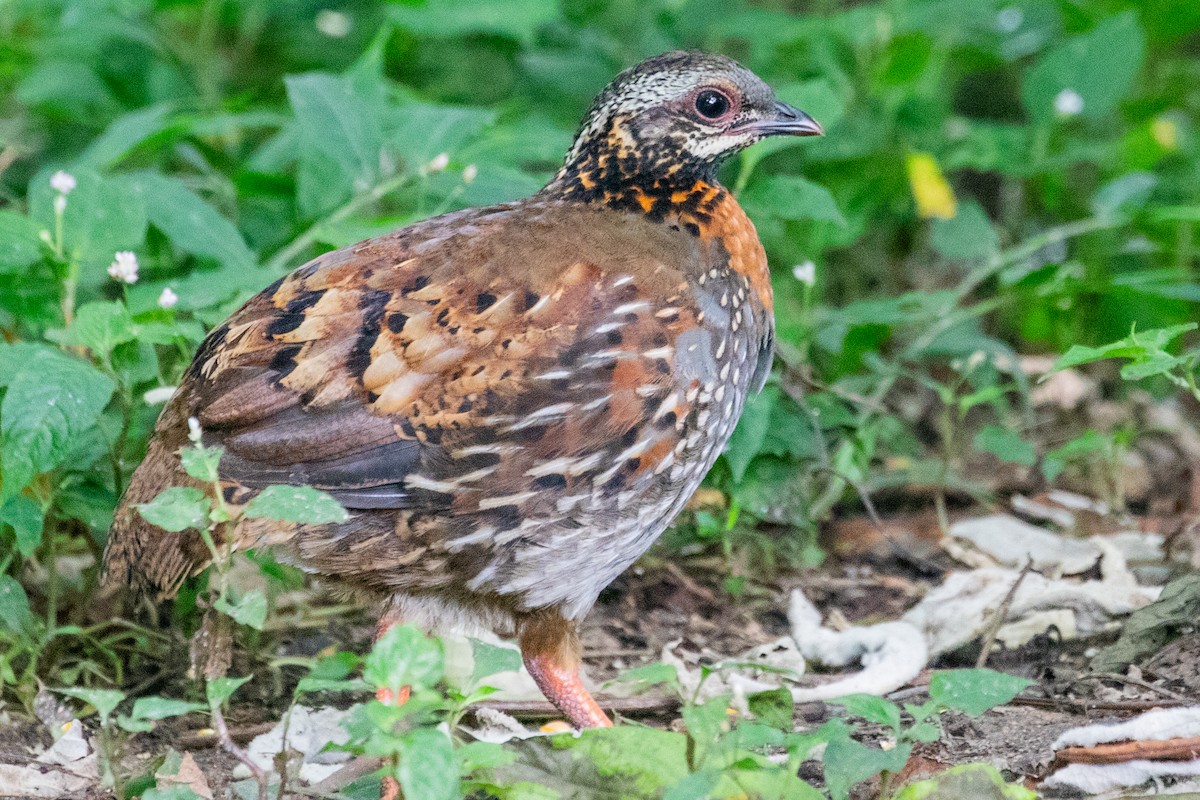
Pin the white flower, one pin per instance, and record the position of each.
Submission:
(168, 298)
(194, 430)
(469, 173)
(62, 182)
(1068, 103)
(806, 273)
(439, 163)
(333, 24)
(60, 204)
(1009, 19)
(124, 267)
(159, 395)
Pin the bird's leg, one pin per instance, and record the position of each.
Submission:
(390, 790)
(552, 653)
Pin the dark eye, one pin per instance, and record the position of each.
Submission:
(712, 104)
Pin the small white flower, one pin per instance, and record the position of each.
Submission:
(60, 204)
(168, 298)
(1009, 19)
(333, 24)
(806, 273)
(124, 267)
(1068, 103)
(62, 182)
(159, 395)
(194, 430)
(439, 163)
(470, 172)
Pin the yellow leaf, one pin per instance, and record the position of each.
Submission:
(1165, 132)
(935, 198)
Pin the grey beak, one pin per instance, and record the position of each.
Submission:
(788, 121)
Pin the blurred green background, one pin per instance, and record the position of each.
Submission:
(998, 178)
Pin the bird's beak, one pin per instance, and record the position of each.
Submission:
(787, 121)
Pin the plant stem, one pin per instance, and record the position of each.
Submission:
(289, 252)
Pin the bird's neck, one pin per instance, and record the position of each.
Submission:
(608, 172)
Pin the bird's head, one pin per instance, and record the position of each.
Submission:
(678, 114)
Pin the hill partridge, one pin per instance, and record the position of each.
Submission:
(512, 402)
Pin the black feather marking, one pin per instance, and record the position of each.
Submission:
(372, 304)
(293, 314)
(396, 321)
(484, 301)
(284, 360)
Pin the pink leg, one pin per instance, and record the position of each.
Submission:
(551, 650)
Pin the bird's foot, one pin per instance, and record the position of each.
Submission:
(563, 687)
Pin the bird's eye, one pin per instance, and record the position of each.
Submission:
(712, 104)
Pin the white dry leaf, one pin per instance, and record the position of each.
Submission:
(1011, 542)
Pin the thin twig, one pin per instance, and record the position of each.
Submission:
(993, 628)
(1112, 676)
(209, 738)
(343, 777)
(241, 755)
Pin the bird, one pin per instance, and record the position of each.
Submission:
(511, 402)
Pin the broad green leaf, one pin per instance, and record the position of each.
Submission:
(773, 707)
(747, 439)
(156, 708)
(189, 222)
(650, 675)
(101, 327)
(975, 781)
(296, 504)
(875, 709)
(1152, 627)
(403, 656)
(201, 463)
(14, 606)
(1006, 445)
(27, 520)
(102, 217)
(791, 197)
(516, 19)
(218, 690)
(491, 659)
(427, 767)
(848, 763)
(1126, 193)
(177, 508)
(340, 138)
(1138, 344)
(51, 402)
(696, 785)
(705, 723)
(1099, 66)
(124, 134)
(20, 244)
(650, 759)
(105, 701)
(974, 691)
(966, 236)
(248, 609)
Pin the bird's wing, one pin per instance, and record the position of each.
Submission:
(463, 367)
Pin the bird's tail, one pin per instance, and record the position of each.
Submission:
(142, 556)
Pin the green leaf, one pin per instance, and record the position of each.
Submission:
(974, 691)
(1100, 66)
(101, 327)
(875, 709)
(1135, 346)
(975, 781)
(1152, 627)
(177, 508)
(774, 707)
(27, 519)
(302, 504)
(751, 432)
(340, 138)
(51, 402)
(14, 606)
(105, 701)
(1006, 445)
(650, 759)
(427, 767)
(1126, 193)
(705, 724)
(515, 19)
(248, 609)
(189, 222)
(791, 197)
(404, 656)
(201, 463)
(156, 708)
(697, 785)
(967, 236)
(124, 134)
(848, 763)
(219, 690)
(650, 675)
(20, 243)
(491, 659)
